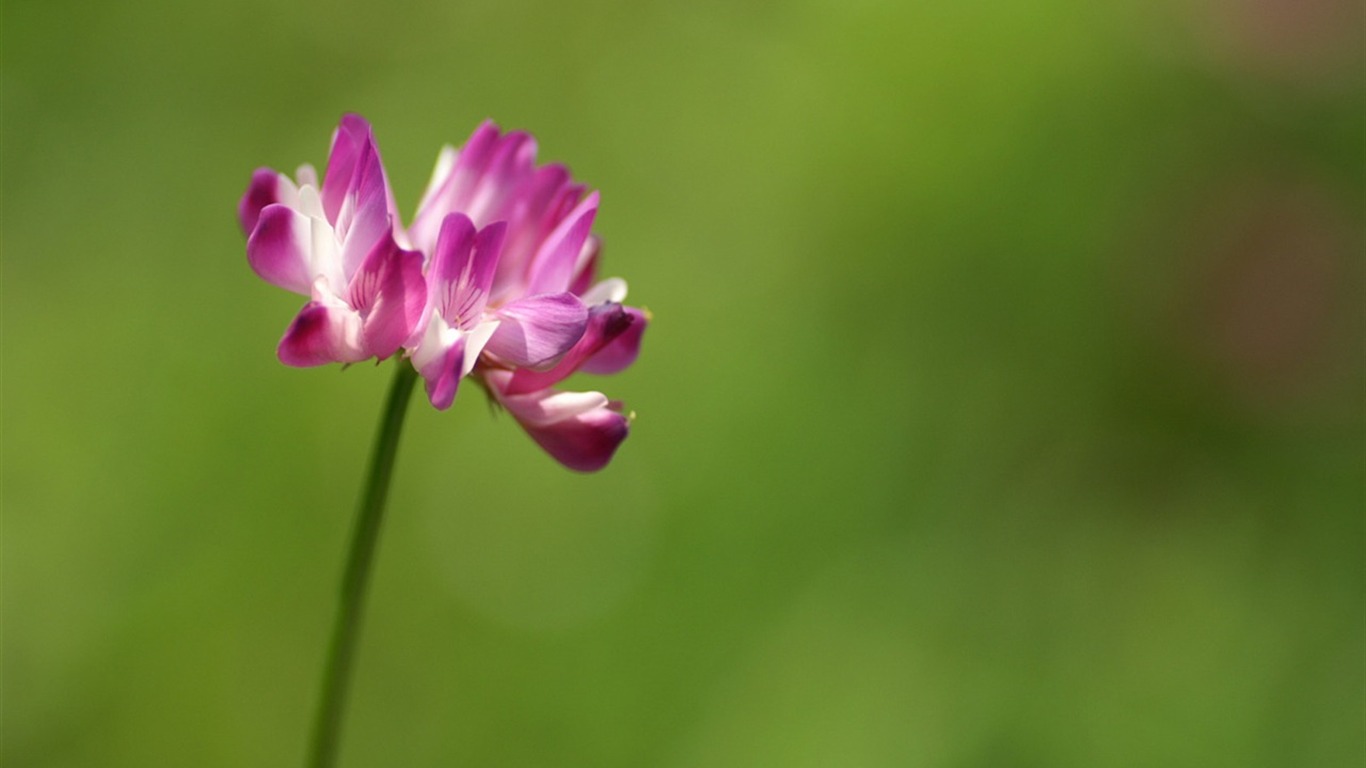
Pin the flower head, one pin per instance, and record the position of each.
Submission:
(336, 244)
(528, 314)
(494, 279)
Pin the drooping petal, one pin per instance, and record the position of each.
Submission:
(322, 334)
(547, 407)
(606, 322)
(619, 353)
(280, 248)
(581, 430)
(585, 443)
(536, 331)
(552, 268)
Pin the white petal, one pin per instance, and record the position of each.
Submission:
(535, 409)
(438, 337)
(475, 341)
(308, 176)
(310, 204)
(611, 289)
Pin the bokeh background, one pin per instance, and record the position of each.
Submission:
(1003, 404)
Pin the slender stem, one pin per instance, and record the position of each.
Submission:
(364, 537)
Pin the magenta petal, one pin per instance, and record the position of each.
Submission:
(348, 143)
(606, 322)
(443, 375)
(581, 430)
(365, 216)
(500, 183)
(585, 272)
(536, 331)
(584, 443)
(355, 193)
(450, 258)
(279, 248)
(488, 249)
(264, 190)
(534, 219)
(553, 266)
(318, 336)
(390, 294)
(454, 181)
(462, 268)
(428, 218)
(618, 354)
(471, 164)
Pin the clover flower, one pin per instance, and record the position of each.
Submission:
(495, 279)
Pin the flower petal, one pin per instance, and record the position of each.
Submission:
(511, 164)
(587, 268)
(443, 374)
(450, 257)
(475, 341)
(280, 248)
(553, 266)
(426, 209)
(470, 164)
(322, 334)
(446, 354)
(619, 353)
(536, 331)
(390, 294)
(263, 190)
(462, 267)
(612, 289)
(355, 195)
(606, 322)
(546, 197)
(348, 142)
(581, 430)
(456, 174)
(585, 443)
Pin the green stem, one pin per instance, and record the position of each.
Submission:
(364, 537)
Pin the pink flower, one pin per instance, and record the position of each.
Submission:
(335, 243)
(526, 315)
(494, 279)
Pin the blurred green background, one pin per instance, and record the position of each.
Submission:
(1003, 404)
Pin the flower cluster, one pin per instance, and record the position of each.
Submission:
(495, 279)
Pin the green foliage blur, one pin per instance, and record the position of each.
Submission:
(1003, 404)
